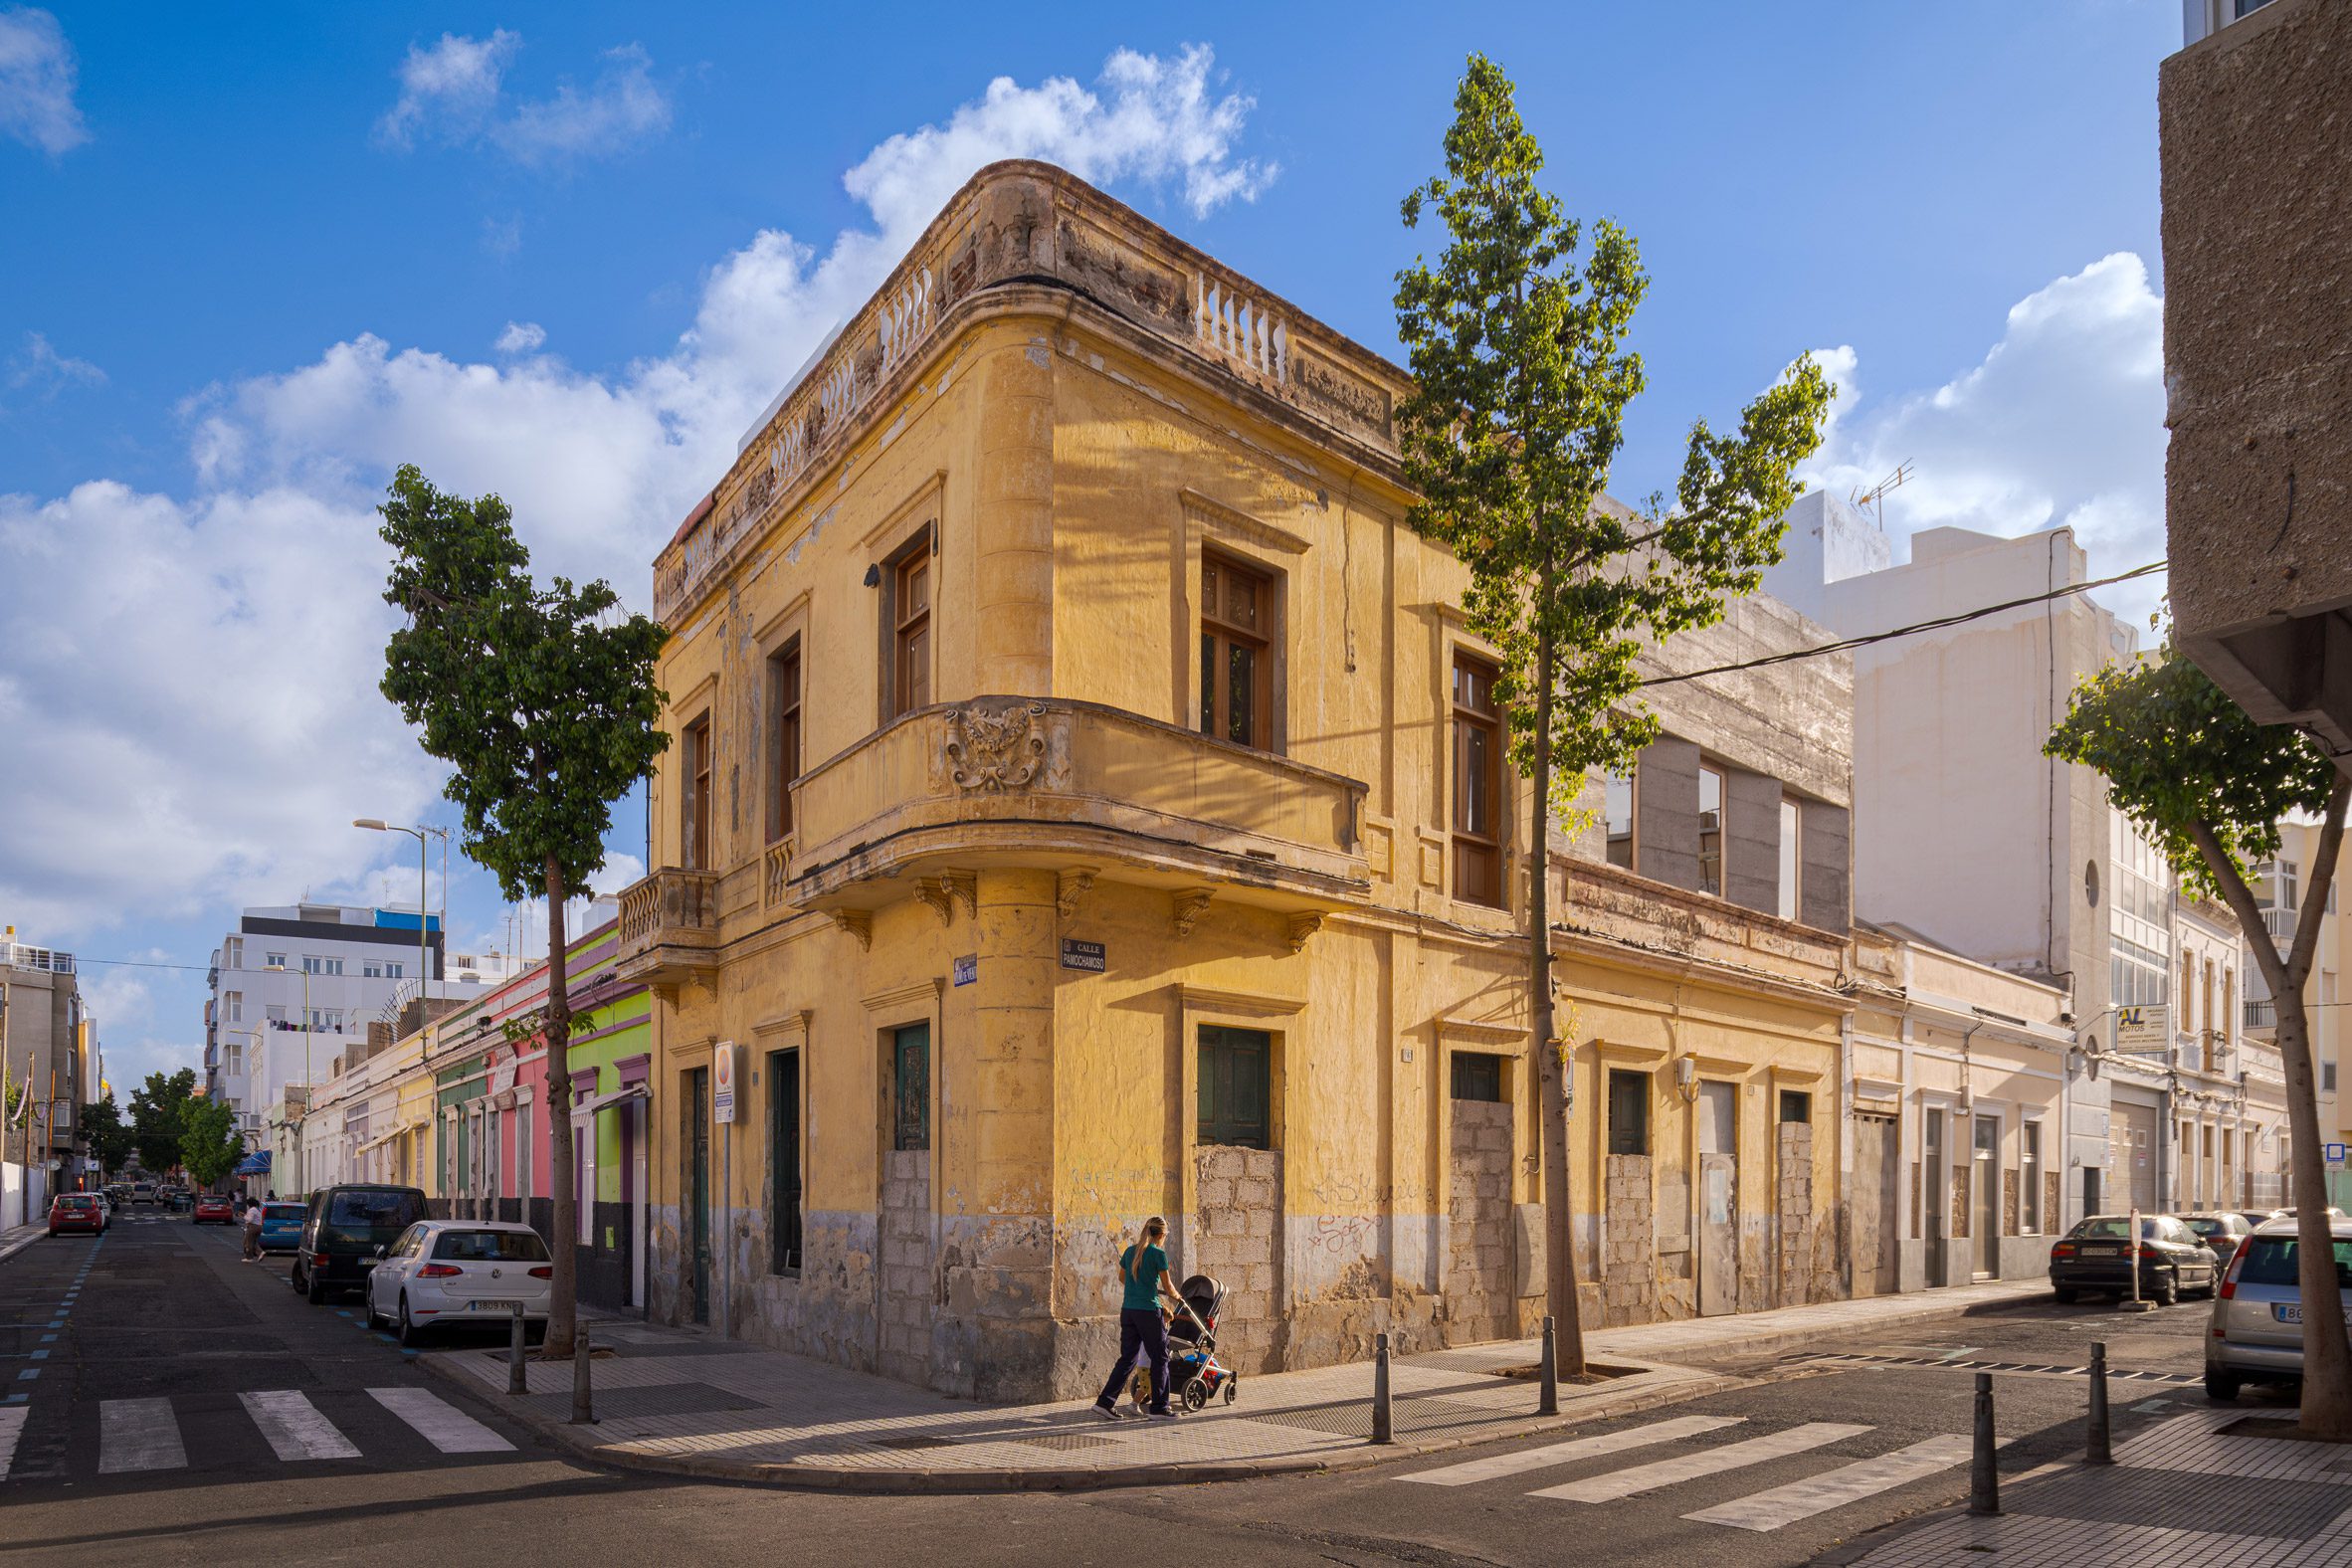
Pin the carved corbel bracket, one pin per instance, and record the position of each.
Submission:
(1304, 926)
(858, 922)
(932, 891)
(965, 888)
(1069, 888)
(1190, 904)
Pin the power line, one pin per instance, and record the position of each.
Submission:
(1906, 631)
(140, 963)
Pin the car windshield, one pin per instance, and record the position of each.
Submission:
(2113, 1228)
(487, 1247)
(381, 1210)
(2208, 1228)
(2271, 1260)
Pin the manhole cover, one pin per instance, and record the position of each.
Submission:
(914, 1443)
(1065, 1442)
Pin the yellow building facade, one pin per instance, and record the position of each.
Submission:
(1086, 803)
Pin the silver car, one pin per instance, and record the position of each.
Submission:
(2257, 1314)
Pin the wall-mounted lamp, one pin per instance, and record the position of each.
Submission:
(874, 576)
(1687, 1077)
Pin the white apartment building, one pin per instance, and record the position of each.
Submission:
(296, 986)
(2278, 886)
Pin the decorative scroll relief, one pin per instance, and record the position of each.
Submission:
(992, 749)
(1229, 323)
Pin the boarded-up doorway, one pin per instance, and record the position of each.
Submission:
(1478, 1295)
(1876, 1160)
(1719, 1200)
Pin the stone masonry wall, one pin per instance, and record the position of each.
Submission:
(907, 1294)
(1235, 1226)
(1793, 1189)
(1478, 1295)
(1629, 1248)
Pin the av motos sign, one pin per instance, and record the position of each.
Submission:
(2144, 1029)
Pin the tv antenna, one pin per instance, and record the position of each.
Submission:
(1875, 499)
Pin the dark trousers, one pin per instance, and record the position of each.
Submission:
(1141, 1329)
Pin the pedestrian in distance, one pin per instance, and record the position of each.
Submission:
(252, 1233)
(1143, 1279)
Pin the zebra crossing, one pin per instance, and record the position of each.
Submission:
(1635, 1471)
(139, 1436)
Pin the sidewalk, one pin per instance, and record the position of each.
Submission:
(16, 1238)
(682, 1402)
(2264, 1502)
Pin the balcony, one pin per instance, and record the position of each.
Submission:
(1057, 784)
(2280, 923)
(670, 928)
(2261, 1015)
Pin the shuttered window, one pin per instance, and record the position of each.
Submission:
(1235, 1078)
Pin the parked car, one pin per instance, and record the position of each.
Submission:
(142, 1192)
(2098, 1255)
(213, 1206)
(344, 1229)
(119, 1193)
(76, 1211)
(282, 1226)
(2257, 1314)
(454, 1271)
(2222, 1230)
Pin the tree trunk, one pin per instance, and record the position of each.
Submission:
(563, 1308)
(1551, 1062)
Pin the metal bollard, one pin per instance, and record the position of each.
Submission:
(1547, 1371)
(584, 1410)
(1984, 1478)
(2096, 1450)
(514, 1380)
(1380, 1426)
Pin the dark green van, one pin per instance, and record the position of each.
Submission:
(343, 1231)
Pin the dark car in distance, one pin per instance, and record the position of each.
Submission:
(2221, 1231)
(2099, 1255)
(344, 1229)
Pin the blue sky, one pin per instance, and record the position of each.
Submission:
(252, 256)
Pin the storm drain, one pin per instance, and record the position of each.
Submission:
(905, 1445)
(1065, 1441)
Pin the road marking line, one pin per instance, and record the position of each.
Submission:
(1690, 1466)
(12, 1425)
(1496, 1466)
(1769, 1510)
(138, 1434)
(447, 1428)
(296, 1427)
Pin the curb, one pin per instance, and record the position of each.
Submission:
(11, 1249)
(1782, 1338)
(841, 1479)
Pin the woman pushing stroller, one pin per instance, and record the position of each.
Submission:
(1144, 1274)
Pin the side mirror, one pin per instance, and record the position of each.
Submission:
(383, 1251)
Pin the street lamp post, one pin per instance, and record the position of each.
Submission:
(421, 835)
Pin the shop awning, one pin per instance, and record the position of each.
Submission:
(596, 1102)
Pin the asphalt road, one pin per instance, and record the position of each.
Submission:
(192, 1409)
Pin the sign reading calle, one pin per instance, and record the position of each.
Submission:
(967, 969)
(1082, 956)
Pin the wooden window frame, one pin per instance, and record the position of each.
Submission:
(1636, 1087)
(787, 679)
(1481, 1073)
(1220, 636)
(1477, 856)
(1218, 1048)
(694, 797)
(1794, 1099)
(903, 1130)
(787, 1200)
(910, 649)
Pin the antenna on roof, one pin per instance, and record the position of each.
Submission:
(1874, 497)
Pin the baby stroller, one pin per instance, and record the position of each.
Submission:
(1195, 1374)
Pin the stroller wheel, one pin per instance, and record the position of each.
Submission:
(1233, 1386)
(1196, 1397)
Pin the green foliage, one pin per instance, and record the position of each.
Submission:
(2178, 752)
(209, 1145)
(155, 1122)
(110, 1141)
(1517, 344)
(541, 699)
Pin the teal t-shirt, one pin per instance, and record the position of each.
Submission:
(1143, 1266)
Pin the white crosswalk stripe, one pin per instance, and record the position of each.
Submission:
(1612, 1485)
(443, 1425)
(138, 1434)
(1496, 1466)
(295, 1427)
(1769, 1510)
(12, 1427)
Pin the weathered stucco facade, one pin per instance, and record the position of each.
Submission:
(1001, 953)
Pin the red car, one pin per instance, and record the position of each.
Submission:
(211, 1207)
(76, 1211)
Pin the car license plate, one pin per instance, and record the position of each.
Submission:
(492, 1307)
(2102, 1252)
(2288, 1312)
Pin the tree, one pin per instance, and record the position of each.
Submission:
(209, 1145)
(1523, 377)
(2209, 787)
(542, 701)
(156, 1124)
(111, 1141)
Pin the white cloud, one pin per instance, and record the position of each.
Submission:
(522, 337)
(41, 369)
(454, 91)
(194, 715)
(37, 77)
(2061, 423)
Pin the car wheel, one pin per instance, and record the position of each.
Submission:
(2220, 1387)
(411, 1336)
(2065, 1295)
(2169, 1293)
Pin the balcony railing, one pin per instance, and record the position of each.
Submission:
(669, 926)
(2261, 1015)
(44, 958)
(2280, 923)
(1045, 782)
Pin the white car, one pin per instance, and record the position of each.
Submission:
(456, 1272)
